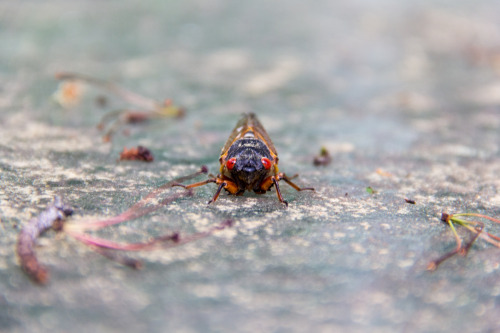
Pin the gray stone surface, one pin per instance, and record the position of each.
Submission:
(404, 94)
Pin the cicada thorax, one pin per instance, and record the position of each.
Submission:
(249, 157)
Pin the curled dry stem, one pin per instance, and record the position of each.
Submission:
(51, 217)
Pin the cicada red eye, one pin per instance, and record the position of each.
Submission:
(230, 163)
(266, 163)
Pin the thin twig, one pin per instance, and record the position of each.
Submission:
(139, 209)
(477, 232)
(126, 94)
(165, 241)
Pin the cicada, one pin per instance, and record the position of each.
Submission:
(248, 161)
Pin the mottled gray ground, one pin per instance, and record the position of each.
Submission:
(404, 94)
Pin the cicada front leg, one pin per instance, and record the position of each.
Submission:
(224, 183)
(282, 176)
(274, 180)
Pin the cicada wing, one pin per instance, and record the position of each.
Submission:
(249, 123)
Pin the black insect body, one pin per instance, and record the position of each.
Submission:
(246, 166)
(248, 161)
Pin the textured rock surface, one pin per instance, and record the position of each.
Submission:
(405, 96)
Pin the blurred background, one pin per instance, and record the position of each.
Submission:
(405, 95)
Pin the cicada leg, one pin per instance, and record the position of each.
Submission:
(205, 182)
(287, 179)
(266, 184)
(278, 192)
(223, 183)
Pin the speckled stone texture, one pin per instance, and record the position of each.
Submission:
(405, 95)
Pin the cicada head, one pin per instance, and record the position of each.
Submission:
(248, 162)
